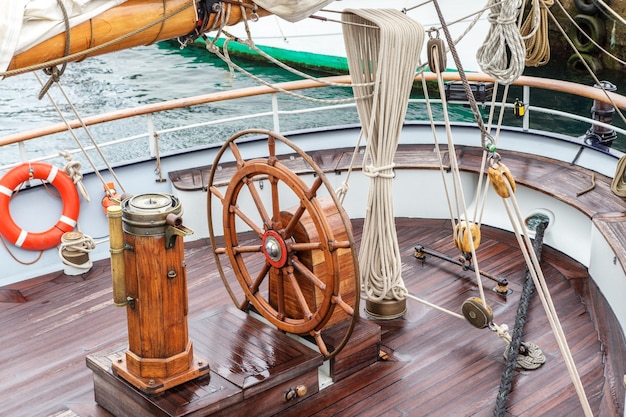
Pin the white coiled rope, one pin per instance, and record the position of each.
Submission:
(383, 46)
(503, 54)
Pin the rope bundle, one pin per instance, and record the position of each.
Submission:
(383, 47)
(503, 54)
(535, 34)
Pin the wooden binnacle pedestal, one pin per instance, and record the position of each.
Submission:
(151, 281)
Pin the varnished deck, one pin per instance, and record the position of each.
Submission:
(438, 365)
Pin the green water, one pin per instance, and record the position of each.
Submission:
(163, 71)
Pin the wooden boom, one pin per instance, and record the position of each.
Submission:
(118, 22)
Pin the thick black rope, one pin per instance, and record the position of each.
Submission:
(516, 336)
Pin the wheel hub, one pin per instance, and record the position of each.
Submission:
(274, 249)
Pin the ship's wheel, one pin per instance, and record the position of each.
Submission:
(287, 249)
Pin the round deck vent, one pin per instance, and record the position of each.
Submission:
(535, 217)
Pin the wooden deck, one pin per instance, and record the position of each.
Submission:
(438, 365)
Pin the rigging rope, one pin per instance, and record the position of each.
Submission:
(84, 126)
(517, 221)
(54, 72)
(463, 231)
(389, 57)
(211, 46)
(72, 169)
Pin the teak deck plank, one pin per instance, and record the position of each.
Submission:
(436, 362)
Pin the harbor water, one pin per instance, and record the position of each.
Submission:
(163, 71)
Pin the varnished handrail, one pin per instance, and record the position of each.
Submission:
(536, 82)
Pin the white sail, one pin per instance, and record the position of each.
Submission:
(293, 10)
(26, 23)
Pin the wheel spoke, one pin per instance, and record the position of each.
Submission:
(339, 244)
(275, 202)
(254, 287)
(299, 295)
(305, 246)
(217, 193)
(312, 192)
(345, 306)
(271, 147)
(295, 219)
(235, 150)
(308, 274)
(320, 342)
(246, 249)
(247, 220)
(254, 193)
(280, 295)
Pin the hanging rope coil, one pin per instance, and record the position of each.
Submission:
(503, 54)
(383, 48)
(536, 37)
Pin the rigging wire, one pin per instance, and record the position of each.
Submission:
(84, 126)
(224, 56)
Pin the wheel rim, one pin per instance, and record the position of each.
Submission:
(283, 252)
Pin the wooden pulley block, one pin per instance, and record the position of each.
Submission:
(467, 234)
(499, 175)
(436, 50)
(477, 313)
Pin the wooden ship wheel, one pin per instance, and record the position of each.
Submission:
(287, 250)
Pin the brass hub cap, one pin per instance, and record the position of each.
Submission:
(274, 249)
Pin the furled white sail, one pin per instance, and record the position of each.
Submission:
(293, 10)
(25, 23)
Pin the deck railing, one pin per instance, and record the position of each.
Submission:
(277, 114)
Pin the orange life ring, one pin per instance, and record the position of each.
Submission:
(71, 206)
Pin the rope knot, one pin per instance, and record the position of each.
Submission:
(385, 171)
(72, 169)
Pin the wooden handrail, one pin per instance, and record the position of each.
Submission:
(544, 83)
